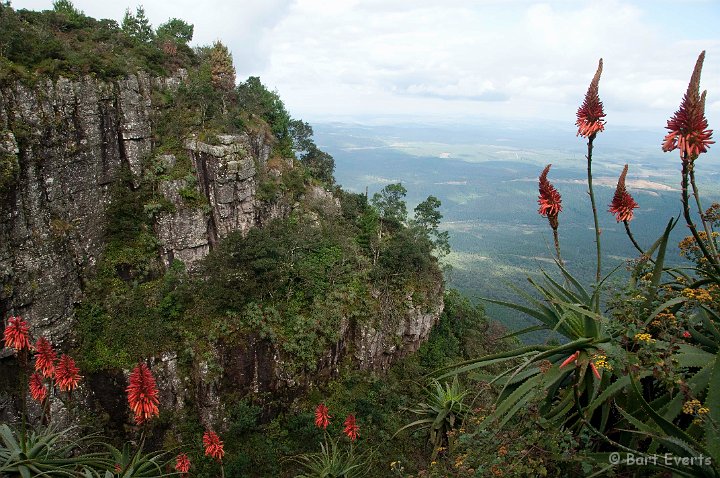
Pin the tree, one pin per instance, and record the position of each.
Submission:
(390, 204)
(65, 7)
(176, 30)
(301, 134)
(221, 67)
(427, 218)
(427, 215)
(319, 163)
(257, 100)
(138, 26)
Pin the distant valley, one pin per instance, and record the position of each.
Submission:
(486, 177)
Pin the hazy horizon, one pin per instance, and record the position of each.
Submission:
(462, 59)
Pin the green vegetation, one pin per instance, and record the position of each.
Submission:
(129, 286)
(634, 371)
(262, 444)
(65, 42)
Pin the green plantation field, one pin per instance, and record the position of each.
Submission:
(486, 177)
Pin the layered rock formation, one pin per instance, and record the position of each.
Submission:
(67, 142)
(63, 146)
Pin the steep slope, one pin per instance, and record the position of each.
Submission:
(175, 220)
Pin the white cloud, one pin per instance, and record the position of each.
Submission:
(458, 58)
(511, 58)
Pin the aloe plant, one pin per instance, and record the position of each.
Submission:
(332, 461)
(138, 464)
(445, 410)
(45, 452)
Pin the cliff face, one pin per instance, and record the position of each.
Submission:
(63, 147)
(68, 141)
(65, 143)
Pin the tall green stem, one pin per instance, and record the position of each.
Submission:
(686, 166)
(592, 202)
(632, 239)
(701, 211)
(557, 245)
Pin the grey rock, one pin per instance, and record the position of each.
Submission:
(71, 139)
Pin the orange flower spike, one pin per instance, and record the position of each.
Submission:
(143, 394)
(351, 427)
(45, 358)
(595, 370)
(38, 390)
(213, 445)
(590, 115)
(570, 359)
(16, 334)
(322, 417)
(623, 203)
(67, 374)
(549, 200)
(182, 464)
(688, 127)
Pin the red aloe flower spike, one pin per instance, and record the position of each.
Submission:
(570, 359)
(623, 203)
(688, 127)
(590, 115)
(182, 464)
(143, 394)
(67, 374)
(595, 370)
(322, 417)
(16, 334)
(213, 445)
(38, 390)
(549, 200)
(351, 428)
(45, 358)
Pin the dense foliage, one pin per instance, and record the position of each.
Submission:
(65, 42)
(635, 373)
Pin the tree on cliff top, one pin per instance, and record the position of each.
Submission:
(221, 67)
(176, 30)
(138, 26)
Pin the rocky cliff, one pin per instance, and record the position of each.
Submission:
(64, 146)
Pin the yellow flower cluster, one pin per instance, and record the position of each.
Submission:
(601, 362)
(460, 460)
(688, 244)
(667, 316)
(690, 406)
(701, 295)
(703, 410)
(647, 338)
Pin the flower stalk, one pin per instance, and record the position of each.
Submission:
(689, 133)
(706, 226)
(712, 260)
(550, 203)
(594, 208)
(590, 122)
(632, 238)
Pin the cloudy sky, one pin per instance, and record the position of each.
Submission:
(457, 59)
